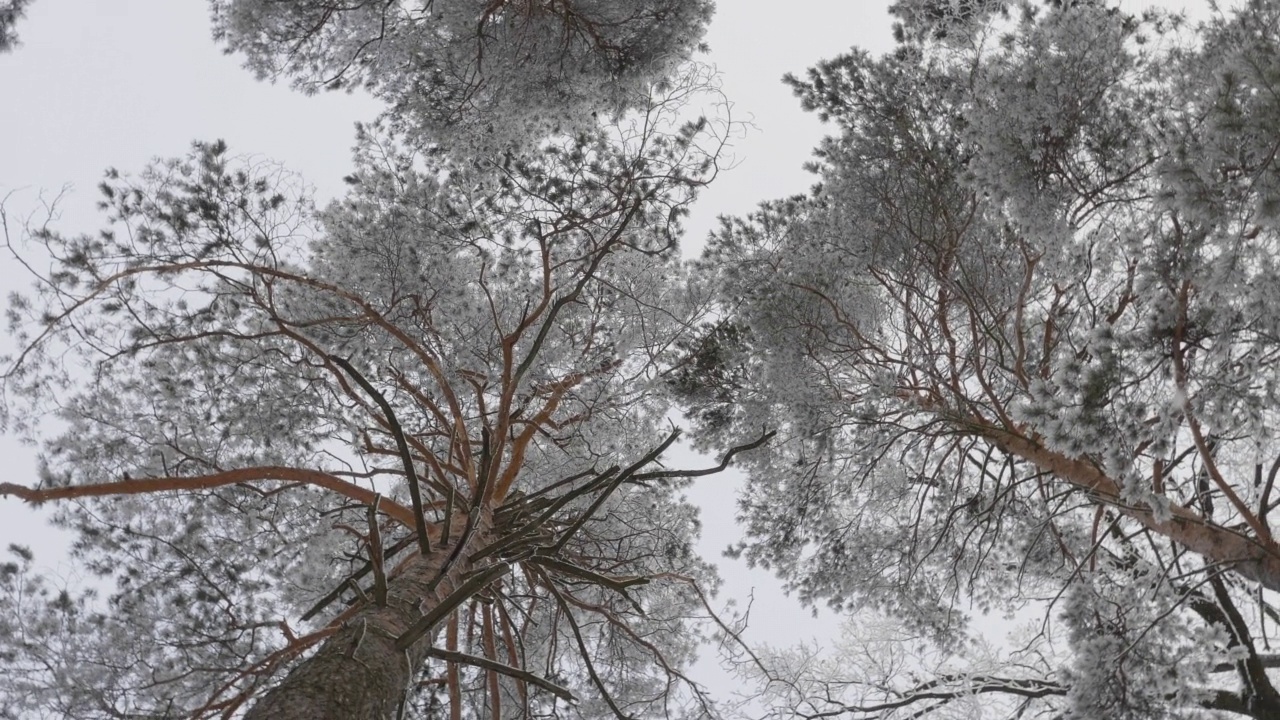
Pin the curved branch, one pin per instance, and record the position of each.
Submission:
(487, 664)
(316, 478)
(411, 474)
(1029, 688)
(724, 462)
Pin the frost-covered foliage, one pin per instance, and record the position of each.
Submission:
(288, 436)
(1137, 646)
(471, 75)
(11, 11)
(876, 668)
(1021, 346)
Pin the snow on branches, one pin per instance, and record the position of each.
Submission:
(1020, 347)
(473, 76)
(399, 454)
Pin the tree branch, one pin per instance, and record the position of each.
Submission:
(487, 664)
(411, 474)
(316, 478)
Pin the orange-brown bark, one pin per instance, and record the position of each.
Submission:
(205, 482)
(1253, 557)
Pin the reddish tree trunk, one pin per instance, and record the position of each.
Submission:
(1252, 557)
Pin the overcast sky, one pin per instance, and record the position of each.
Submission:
(115, 83)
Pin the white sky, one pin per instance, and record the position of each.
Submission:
(114, 84)
(99, 84)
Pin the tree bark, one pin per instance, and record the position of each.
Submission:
(1255, 558)
(358, 674)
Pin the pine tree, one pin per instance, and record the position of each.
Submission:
(1020, 347)
(474, 77)
(399, 456)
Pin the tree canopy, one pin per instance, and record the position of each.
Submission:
(1014, 357)
(11, 11)
(466, 77)
(471, 76)
(399, 454)
(1020, 347)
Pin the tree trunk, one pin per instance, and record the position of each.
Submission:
(1252, 557)
(358, 674)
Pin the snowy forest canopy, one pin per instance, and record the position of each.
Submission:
(403, 455)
